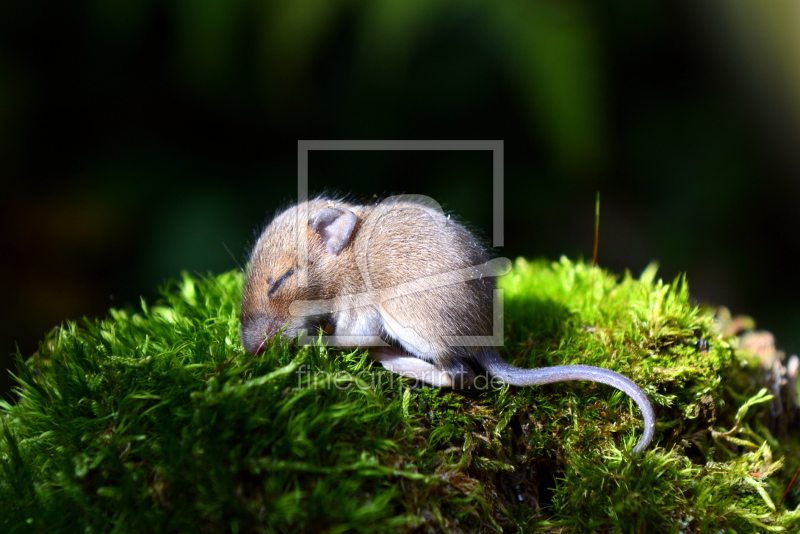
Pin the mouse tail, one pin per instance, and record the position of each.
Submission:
(516, 376)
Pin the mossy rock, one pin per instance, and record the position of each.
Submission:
(158, 421)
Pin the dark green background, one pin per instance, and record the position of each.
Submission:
(141, 138)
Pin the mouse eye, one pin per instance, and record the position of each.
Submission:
(280, 281)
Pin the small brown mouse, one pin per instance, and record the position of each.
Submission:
(399, 276)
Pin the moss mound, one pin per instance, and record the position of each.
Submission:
(157, 420)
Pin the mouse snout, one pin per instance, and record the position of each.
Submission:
(257, 330)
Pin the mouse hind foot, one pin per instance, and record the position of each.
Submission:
(458, 375)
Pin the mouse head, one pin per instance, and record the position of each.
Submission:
(297, 257)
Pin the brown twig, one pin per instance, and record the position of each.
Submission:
(785, 493)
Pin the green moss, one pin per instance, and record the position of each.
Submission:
(157, 420)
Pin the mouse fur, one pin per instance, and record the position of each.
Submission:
(400, 277)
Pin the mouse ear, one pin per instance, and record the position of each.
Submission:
(335, 227)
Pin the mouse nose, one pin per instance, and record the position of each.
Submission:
(257, 330)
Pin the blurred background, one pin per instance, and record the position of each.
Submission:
(142, 138)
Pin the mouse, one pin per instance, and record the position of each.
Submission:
(401, 278)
